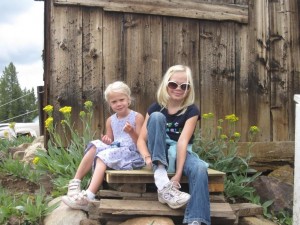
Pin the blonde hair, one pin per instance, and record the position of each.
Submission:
(118, 87)
(162, 93)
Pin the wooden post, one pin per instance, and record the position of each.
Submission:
(296, 206)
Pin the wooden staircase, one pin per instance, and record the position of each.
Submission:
(132, 196)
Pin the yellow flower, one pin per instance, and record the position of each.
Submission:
(82, 114)
(48, 108)
(6, 134)
(223, 136)
(236, 134)
(254, 129)
(231, 118)
(208, 115)
(48, 122)
(88, 104)
(219, 127)
(66, 110)
(35, 160)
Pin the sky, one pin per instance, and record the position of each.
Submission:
(21, 40)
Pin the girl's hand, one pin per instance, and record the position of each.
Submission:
(127, 128)
(176, 177)
(148, 162)
(105, 139)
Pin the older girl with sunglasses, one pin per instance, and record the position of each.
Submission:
(165, 142)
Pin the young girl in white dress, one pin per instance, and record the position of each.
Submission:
(116, 150)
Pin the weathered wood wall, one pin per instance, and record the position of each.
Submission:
(244, 56)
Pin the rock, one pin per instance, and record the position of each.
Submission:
(31, 151)
(63, 215)
(255, 221)
(89, 222)
(19, 155)
(270, 188)
(284, 174)
(154, 220)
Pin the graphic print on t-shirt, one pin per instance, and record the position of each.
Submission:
(173, 128)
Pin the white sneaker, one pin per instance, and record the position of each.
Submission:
(194, 223)
(172, 196)
(79, 201)
(74, 187)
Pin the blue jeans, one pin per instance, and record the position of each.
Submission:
(198, 207)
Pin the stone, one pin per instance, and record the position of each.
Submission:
(64, 215)
(284, 174)
(255, 221)
(153, 220)
(270, 188)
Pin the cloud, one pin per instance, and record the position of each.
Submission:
(9, 9)
(21, 39)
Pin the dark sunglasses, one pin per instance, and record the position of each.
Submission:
(174, 85)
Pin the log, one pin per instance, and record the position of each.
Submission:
(269, 155)
(190, 9)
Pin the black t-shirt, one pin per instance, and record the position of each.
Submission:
(176, 122)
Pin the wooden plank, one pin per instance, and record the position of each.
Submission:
(92, 67)
(215, 178)
(294, 62)
(268, 155)
(147, 195)
(245, 41)
(142, 57)
(217, 71)
(113, 61)
(260, 94)
(181, 46)
(128, 207)
(66, 63)
(247, 209)
(278, 67)
(190, 9)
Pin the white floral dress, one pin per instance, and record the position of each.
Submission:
(123, 153)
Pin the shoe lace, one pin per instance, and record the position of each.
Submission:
(174, 187)
(73, 185)
(80, 196)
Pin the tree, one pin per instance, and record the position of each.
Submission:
(14, 101)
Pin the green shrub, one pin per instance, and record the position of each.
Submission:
(60, 161)
(219, 147)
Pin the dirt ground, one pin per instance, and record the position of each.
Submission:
(17, 185)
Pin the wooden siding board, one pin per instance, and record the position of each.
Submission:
(218, 69)
(242, 80)
(261, 80)
(143, 54)
(113, 60)
(189, 9)
(293, 62)
(245, 59)
(92, 66)
(66, 66)
(278, 44)
(181, 46)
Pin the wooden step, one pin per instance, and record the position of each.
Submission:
(221, 213)
(145, 176)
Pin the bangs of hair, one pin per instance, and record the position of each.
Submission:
(118, 87)
(162, 92)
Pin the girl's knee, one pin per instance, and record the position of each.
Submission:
(157, 116)
(198, 170)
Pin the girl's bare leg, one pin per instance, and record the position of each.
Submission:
(98, 176)
(86, 163)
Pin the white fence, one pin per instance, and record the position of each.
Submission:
(296, 206)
